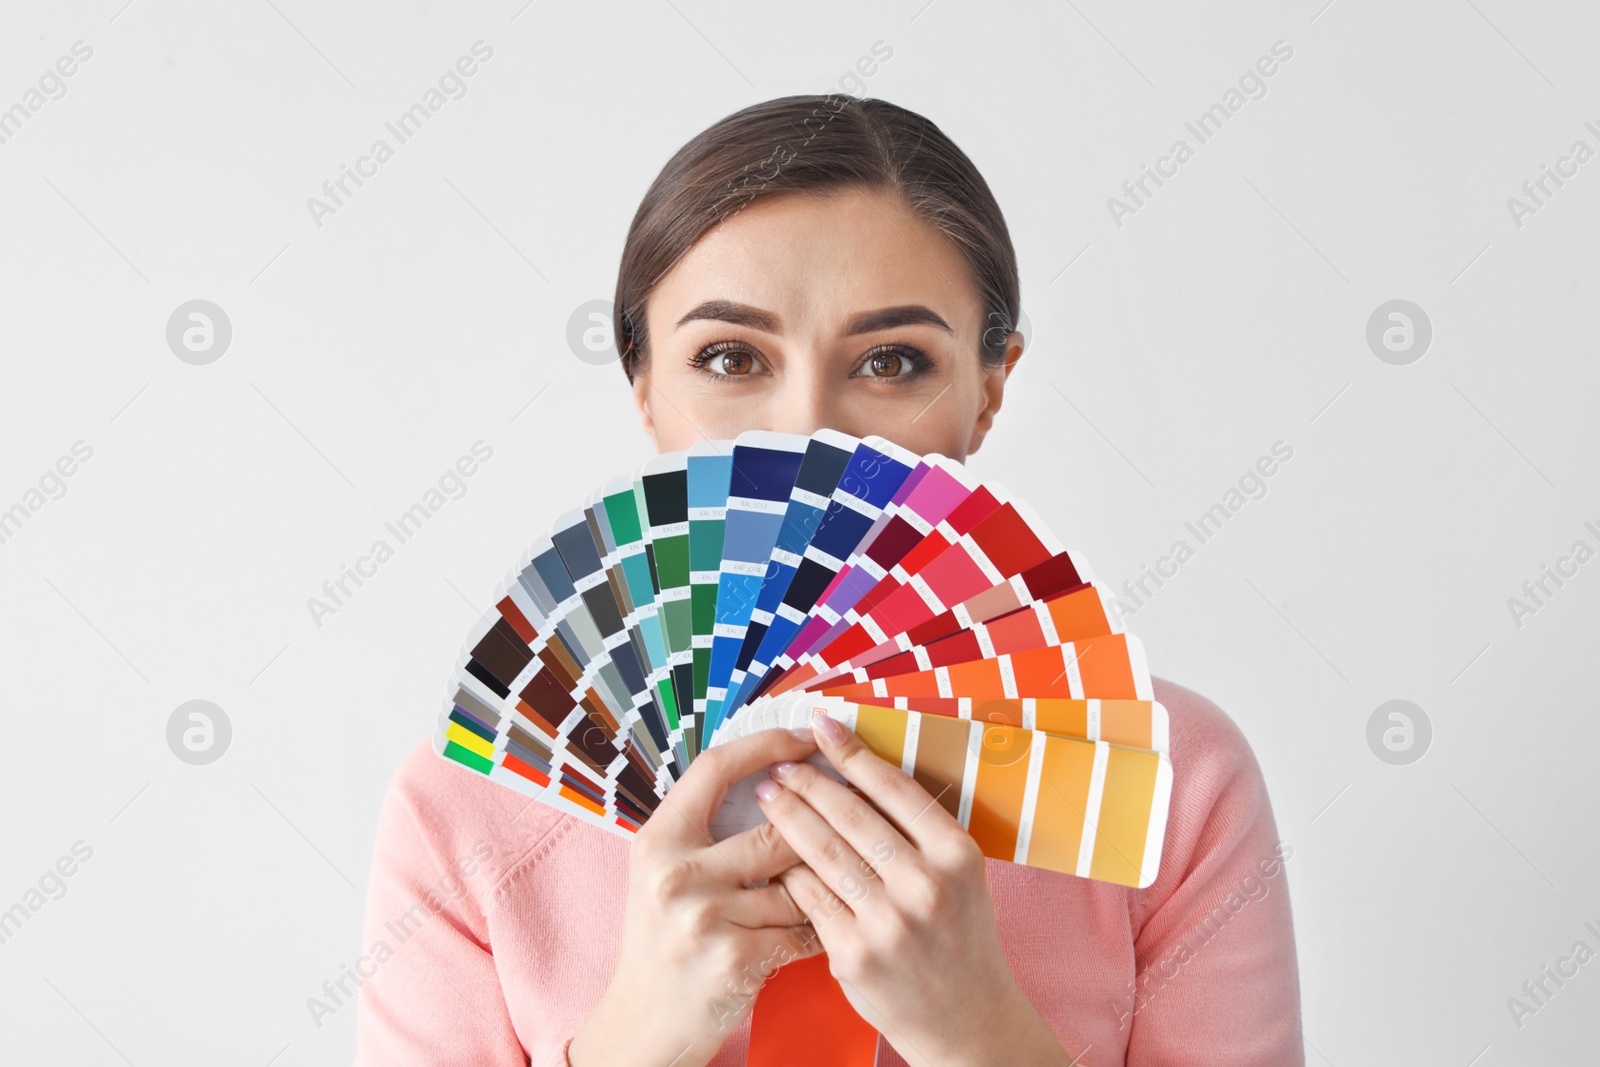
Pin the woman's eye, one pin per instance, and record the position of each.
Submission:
(730, 363)
(723, 363)
(892, 364)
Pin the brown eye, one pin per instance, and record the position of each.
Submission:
(899, 364)
(886, 364)
(725, 360)
(733, 363)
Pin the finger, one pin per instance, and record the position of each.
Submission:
(874, 838)
(805, 939)
(821, 905)
(689, 805)
(757, 909)
(827, 854)
(918, 816)
(779, 945)
(754, 855)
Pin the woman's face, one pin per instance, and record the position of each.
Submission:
(806, 311)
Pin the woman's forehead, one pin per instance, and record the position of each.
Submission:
(810, 256)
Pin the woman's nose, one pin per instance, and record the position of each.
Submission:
(804, 406)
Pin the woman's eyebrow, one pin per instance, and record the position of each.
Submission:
(889, 318)
(738, 314)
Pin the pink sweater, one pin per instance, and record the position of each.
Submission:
(499, 964)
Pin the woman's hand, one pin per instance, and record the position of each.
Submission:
(697, 942)
(901, 903)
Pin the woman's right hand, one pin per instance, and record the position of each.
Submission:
(697, 941)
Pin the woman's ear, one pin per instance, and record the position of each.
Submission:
(994, 390)
(641, 400)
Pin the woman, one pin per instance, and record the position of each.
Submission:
(821, 262)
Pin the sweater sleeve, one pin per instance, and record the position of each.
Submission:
(430, 995)
(1217, 981)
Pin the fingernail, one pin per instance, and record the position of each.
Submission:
(782, 769)
(766, 789)
(804, 733)
(828, 727)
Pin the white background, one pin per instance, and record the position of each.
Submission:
(1167, 355)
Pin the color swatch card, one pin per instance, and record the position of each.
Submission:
(1090, 808)
(740, 584)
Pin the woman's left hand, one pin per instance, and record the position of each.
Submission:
(902, 907)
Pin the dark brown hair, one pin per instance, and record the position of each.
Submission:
(816, 144)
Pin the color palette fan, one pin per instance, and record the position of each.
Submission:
(745, 584)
